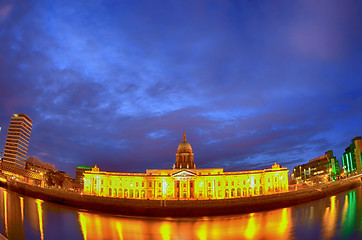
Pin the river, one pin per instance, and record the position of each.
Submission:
(336, 217)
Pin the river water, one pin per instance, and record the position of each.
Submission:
(336, 217)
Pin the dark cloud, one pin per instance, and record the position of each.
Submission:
(115, 83)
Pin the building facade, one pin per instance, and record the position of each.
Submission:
(79, 174)
(33, 164)
(184, 181)
(320, 169)
(17, 140)
(352, 157)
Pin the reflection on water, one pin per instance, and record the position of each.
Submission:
(336, 217)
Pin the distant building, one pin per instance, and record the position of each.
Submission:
(79, 174)
(320, 169)
(33, 164)
(17, 140)
(352, 157)
(184, 181)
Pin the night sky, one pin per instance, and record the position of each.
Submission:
(115, 83)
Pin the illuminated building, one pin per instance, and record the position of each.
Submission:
(352, 157)
(320, 169)
(17, 140)
(184, 181)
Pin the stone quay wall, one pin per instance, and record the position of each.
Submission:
(183, 208)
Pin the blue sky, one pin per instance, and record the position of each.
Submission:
(115, 83)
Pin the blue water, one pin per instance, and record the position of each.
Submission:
(336, 217)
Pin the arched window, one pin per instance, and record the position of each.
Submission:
(244, 192)
(143, 195)
(115, 192)
(233, 192)
(131, 193)
(255, 191)
(226, 193)
(250, 191)
(261, 190)
(220, 193)
(126, 193)
(239, 192)
(110, 192)
(137, 193)
(120, 192)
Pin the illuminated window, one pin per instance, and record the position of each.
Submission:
(254, 181)
(260, 180)
(115, 192)
(110, 192)
(159, 185)
(119, 192)
(184, 185)
(268, 179)
(232, 183)
(131, 193)
(209, 184)
(143, 184)
(136, 184)
(238, 192)
(218, 183)
(102, 181)
(226, 184)
(244, 182)
(261, 190)
(110, 182)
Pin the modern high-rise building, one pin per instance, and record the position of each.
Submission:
(17, 140)
(352, 157)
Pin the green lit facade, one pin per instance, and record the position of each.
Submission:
(352, 156)
(320, 169)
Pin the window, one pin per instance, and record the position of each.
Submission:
(102, 181)
(254, 181)
(150, 184)
(209, 184)
(226, 184)
(136, 184)
(260, 180)
(268, 179)
(159, 184)
(232, 183)
(218, 183)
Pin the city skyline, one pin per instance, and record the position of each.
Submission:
(116, 84)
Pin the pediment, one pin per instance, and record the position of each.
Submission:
(183, 173)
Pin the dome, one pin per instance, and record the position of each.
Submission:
(184, 146)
